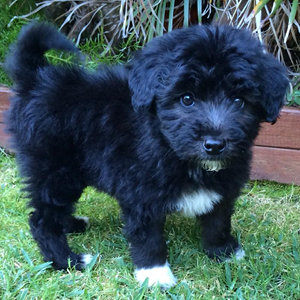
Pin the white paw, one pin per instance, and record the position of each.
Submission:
(239, 254)
(86, 259)
(161, 276)
(85, 219)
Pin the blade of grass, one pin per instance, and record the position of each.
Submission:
(29, 14)
(291, 18)
(186, 7)
(276, 5)
(199, 11)
(272, 25)
(228, 274)
(94, 13)
(99, 24)
(26, 257)
(171, 15)
(162, 15)
(257, 8)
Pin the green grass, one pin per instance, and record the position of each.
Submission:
(8, 34)
(94, 49)
(294, 98)
(266, 222)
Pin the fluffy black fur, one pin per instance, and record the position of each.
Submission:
(181, 118)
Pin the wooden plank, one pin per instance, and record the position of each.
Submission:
(284, 134)
(275, 164)
(4, 139)
(4, 103)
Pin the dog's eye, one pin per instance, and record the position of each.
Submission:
(187, 100)
(239, 102)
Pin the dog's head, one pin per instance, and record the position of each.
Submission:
(210, 87)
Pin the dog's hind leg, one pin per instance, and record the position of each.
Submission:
(47, 228)
(52, 198)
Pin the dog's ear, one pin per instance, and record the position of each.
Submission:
(147, 75)
(141, 83)
(274, 84)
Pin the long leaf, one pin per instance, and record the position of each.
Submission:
(186, 7)
(258, 7)
(199, 11)
(171, 15)
(291, 18)
(161, 16)
(276, 5)
(164, 10)
(27, 258)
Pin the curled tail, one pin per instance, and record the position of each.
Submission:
(27, 54)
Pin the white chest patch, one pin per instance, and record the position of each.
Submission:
(197, 203)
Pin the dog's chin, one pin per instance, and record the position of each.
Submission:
(207, 165)
(212, 165)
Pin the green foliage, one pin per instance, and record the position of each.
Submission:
(266, 222)
(294, 98)
(93, 54)
(121, 24)
(8, 34)
(276, 22)
(95, 49)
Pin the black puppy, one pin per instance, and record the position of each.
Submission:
(171, 131)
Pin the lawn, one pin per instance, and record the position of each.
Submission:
(266, 222)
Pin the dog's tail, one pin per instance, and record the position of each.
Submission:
(27, 54)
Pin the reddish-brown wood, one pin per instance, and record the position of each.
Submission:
(276, 164)
(4, 103)
(4, 139)
(284, 134)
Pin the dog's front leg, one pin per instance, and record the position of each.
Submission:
(216, 233)
(149, 250)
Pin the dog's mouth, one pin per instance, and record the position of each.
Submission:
(212, 165)
(207, 165)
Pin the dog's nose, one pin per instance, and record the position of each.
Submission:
(214, 146)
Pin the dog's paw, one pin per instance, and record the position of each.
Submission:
(161, 276)
(86, 259)
(86, 220)
(238, 254)
(226, 251)
(83, 261)
(77, 261)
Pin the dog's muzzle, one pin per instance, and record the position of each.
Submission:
(214, 146)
